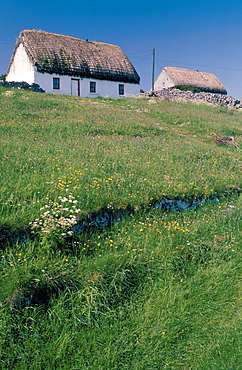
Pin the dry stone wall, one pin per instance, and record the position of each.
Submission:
(22, 85)
(176, 94)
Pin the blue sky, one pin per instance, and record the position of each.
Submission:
(201, 35)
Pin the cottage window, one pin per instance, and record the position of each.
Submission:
(56, 83)
(92, 87)
(121, 89)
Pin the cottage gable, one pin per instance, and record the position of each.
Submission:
(21, 64)
(172, 76)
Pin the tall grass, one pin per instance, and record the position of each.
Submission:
(155, 290)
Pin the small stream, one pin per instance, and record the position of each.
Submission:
(107, 217)
(104, 218)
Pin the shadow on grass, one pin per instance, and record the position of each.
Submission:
(11, 235)
(118, 285)
(187, 260)
(40, 291)
(111, 288)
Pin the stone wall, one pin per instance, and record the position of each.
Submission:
(22, 85)
(176, 94)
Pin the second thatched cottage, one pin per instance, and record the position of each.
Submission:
(181, 77)
(67, 65)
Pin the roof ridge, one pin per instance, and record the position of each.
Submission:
(70, 37)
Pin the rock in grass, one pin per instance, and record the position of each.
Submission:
(225, 140)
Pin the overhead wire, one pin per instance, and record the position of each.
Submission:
(199, 65)
(148, 56)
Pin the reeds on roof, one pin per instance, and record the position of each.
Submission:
(65, 55)
(202, 80)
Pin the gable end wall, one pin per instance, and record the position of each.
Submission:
(163, 81)
(21, 68)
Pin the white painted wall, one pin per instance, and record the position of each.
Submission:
(163, 81)
(103, 88)
(45, 81)
(108, 89)
(21, 68)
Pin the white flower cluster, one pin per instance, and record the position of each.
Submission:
(57, 217)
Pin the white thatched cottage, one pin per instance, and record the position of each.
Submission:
(204, 81)
(67, 65)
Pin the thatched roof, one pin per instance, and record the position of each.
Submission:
(202, 80)
(65, 55)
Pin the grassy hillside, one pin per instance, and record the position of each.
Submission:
(95, 274)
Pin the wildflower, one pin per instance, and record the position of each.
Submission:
(56, 219)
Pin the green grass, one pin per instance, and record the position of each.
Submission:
(157, 290)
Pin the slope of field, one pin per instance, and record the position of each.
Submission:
(94, 273)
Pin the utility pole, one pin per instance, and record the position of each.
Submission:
(153, 69)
